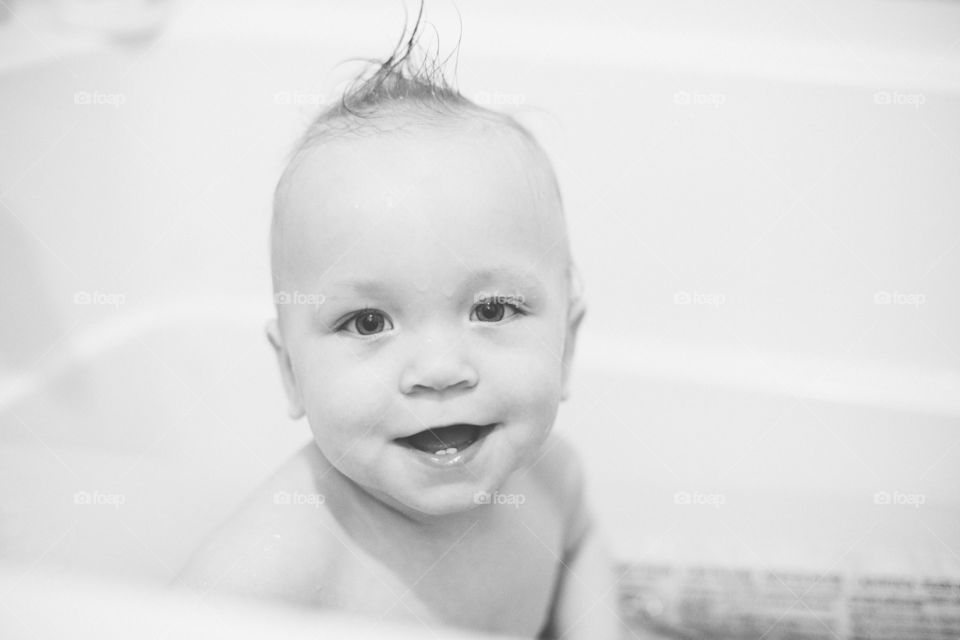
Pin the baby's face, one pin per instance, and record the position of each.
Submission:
(426, 273)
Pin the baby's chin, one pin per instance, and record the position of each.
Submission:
(450, 501)
(433, 494)
(405, 481)
(416, 501)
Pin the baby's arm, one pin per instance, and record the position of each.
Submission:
(586, 601)
(586, 605)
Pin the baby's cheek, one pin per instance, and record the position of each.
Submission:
(347, 401)
(529, 395)
(530, 383)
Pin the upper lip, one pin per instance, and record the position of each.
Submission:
(446, 424)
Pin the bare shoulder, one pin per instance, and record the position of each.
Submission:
(278, 544)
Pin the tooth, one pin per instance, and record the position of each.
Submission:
(442, 452)
(452, 450)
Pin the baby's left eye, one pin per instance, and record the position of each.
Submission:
(492, 311)
(366, 323)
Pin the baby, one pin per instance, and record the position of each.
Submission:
(426, 322)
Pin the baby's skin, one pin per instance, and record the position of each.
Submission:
(426, 268)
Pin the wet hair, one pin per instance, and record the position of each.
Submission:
(409, 88)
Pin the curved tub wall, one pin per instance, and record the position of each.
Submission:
(754, 216)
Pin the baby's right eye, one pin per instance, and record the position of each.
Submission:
(367, 323)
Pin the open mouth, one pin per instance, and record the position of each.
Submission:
(447, 440)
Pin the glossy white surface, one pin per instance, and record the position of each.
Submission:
(745, 152)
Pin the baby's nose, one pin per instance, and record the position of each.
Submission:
(437, 362)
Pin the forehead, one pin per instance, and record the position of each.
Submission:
(422, 199)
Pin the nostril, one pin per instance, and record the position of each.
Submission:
(461, 384)
(438, 377)
(439, 385)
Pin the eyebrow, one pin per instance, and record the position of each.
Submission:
(505, 275)
(521, 278)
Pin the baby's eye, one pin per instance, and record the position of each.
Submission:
(492, 311)
(368, 322)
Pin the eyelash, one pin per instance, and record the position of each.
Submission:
(353, 318)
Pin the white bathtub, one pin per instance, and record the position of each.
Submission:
(746, 186)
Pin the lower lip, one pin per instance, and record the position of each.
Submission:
(449, 460)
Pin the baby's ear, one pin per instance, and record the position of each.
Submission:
(294, 403)
(575, 313)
